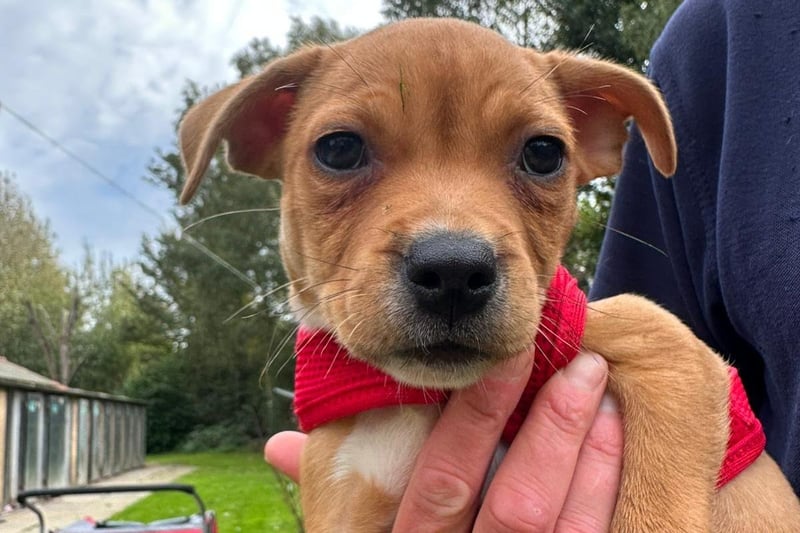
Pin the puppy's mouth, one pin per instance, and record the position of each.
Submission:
(448, 354)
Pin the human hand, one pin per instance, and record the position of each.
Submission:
(283, 451)
(561, 473)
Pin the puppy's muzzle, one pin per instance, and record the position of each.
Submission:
(451, 277)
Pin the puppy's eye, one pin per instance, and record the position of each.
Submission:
(542, 155)
(340, 150)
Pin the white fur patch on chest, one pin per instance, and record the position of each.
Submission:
(384, 444)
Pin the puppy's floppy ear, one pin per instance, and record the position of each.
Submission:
(251, 116)
(600, 96)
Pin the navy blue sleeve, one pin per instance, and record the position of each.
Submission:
(723, 234)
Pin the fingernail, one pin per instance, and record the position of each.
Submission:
(586, 370)
(609, 403)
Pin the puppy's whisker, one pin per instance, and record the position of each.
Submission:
(339, 350)
(288, 337)
(323, 261)
(504, 235)
(331, 297)
(426, 394)
(616, 316)
(537, 277)
(293, 332)
(274, 357)
(546, 75)
(353, 330)
(314, 286)
(578, 109)
(336, 333)
(570, 344)
(390, 232)
(265, 312)
(276, 353)
(538, 349)
(436, 384)
(260, 312)
(287, 87)
(541, 77)
(636, 239)
(576, 94)
(584, 44)
(260, 297)
(283, 366)
(565, 298)
(351, 67)
(484, 389)
(264, 374)
(340, 91)
(228, 213)
(352, 339)
(339, 265)
(548, 329)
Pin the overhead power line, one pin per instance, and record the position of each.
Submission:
(82, 162)
(125, 192)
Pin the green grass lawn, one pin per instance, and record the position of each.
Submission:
(239, 487)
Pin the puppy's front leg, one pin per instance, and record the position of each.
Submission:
(354, 471)
(673, 392)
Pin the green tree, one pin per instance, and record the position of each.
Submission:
(57, 333)
(258, 52)
(223, 341)
(162, 383)
(29, 276)
(520, 20)
(622, 30)
(82, 328)
(120, 337)
(220, 288)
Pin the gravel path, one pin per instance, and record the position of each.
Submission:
(65, 510)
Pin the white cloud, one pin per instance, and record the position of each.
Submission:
(104, 78)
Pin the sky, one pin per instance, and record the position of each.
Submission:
(103, 78)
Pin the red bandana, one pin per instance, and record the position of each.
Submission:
(330, 385)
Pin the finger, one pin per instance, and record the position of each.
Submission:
(283, 452)
(592, 496)
(531, 485)
(450, 469)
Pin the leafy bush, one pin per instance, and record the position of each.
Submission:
(169, 413)
(219, 438)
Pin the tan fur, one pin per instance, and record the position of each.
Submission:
(328, 501)
(759, 499)
(444, 108)
(673, 391)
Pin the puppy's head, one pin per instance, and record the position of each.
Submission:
(429, 173)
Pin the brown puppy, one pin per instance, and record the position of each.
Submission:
(433, 134)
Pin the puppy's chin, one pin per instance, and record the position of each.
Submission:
(442, 376)
(444, 366)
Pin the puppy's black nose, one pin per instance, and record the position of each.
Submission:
(451, 276)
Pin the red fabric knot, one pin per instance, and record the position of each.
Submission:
(330, 385)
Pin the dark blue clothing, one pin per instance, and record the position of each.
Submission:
(728, 222)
